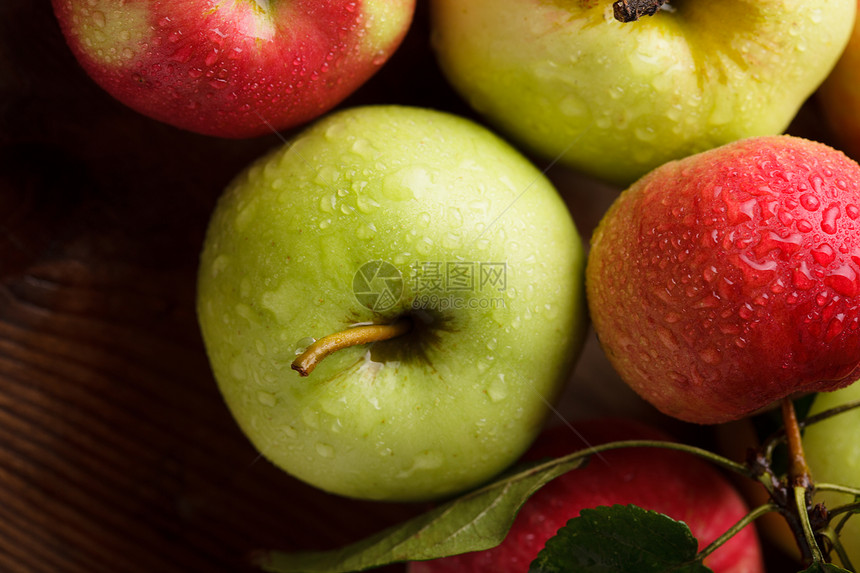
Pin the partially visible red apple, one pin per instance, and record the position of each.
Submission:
(233, 69)
(724, 282)
(839, 96)
(674, 483)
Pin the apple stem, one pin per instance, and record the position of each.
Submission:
(801, 485)
(631, 10)
(353, 336)
(798, 468)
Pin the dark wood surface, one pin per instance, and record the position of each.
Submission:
(117, 453)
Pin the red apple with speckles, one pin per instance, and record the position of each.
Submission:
(724, 282)
(233, 69)
(671, 482)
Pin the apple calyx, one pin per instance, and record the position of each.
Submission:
(352, 336)
(632, 10)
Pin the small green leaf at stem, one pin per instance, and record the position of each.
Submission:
(620, 539)
(478, 520)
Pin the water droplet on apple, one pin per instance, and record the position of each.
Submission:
(238, 370)
(289, 431)
(328, 203)
(324, 450)
(266, 398)
(365, 149)
(573, 106)
(498, 389)
(99, 19)
(451, 241)
(366, 204)
(829, 217)
(810, 202)
(424, 246)
(823, 254)
(303, 344)
(325, 224)
(710, 356)
(844, 280)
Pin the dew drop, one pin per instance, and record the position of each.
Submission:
(99, 19)
(710, 356)
(810, 202)
(709, 274)
(266, 398)
(844, 280)
(498, 389)
(366, 204)
(823, 254)
(211, 57)
(802, 277)
(303, 344)
(324, 450)
(667, 338)
(852, 211)
(804, 226)
(828, 219)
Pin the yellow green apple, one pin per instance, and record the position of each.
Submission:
(375, 218)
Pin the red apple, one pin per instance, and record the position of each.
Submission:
(723, 282)
(674, 483)
(839, 97)
(232, 69)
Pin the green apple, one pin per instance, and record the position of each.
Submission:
(833, 454)
(615, 99)
(449, 261)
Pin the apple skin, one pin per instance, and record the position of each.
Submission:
(833, 454)
(670, 482)
(447, 406)
(615, 100)
(839, 97)
(232, 69)
(721, 283)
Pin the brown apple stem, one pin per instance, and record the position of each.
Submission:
(632, 10)
(353, 336)
(798, 470)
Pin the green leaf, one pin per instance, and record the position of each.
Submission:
(620, 539)
(824, 568)
(478, 520)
